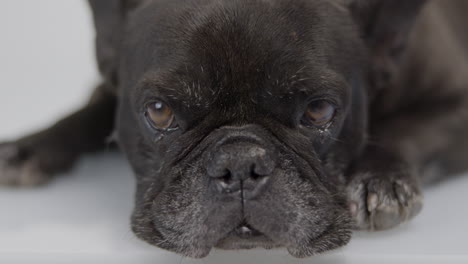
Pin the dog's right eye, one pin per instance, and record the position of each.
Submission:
(319, 113)
(160, 115)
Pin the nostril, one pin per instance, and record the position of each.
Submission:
(253, 173)
(227, 183)
(226, 178)
(254, 184)
(259, 172)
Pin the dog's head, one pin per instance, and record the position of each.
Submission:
(240, 118)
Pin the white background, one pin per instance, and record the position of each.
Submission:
(47, 70)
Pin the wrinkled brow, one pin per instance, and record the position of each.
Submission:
(309, 82)
(174, 88)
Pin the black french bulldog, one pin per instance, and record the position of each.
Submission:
(268, 123)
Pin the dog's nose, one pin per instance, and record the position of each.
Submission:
(241, 169)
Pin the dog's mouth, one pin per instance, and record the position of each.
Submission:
(246, 237)
(246, 231)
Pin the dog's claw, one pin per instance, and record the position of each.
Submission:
(353, 208)
(372, 200)
(403, 193)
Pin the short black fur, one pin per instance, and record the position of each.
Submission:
(240, 169)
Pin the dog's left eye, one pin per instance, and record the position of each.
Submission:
(160, 115)
(319, 113)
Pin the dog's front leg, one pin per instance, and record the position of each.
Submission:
(36, 158)
(383, 190)
(384, 184)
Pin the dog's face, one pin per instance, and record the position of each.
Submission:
(239, 119)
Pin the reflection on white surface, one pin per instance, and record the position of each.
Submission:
(46, 69)
(85, 215)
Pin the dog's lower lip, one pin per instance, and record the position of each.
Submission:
(246, 231)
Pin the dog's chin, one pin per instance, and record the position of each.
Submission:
(243, 236)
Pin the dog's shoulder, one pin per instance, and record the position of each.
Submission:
(435, 63)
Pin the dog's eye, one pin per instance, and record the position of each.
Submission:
(319, 113)
(159, 115)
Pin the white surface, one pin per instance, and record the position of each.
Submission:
(47, 70)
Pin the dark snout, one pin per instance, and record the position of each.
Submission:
(241, 188)
(240, 165)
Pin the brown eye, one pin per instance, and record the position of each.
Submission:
(319, 113)
(159, 115)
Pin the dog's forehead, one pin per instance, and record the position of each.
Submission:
(268, 48)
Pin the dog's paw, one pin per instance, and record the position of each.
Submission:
(379, 203)
(19, 168)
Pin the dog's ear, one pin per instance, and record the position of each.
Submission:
(109, 19)
(385, 26)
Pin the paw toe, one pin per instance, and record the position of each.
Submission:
(381, 204)
(19, 170)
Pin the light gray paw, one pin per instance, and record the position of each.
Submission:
(379, 203)
(18, 168)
